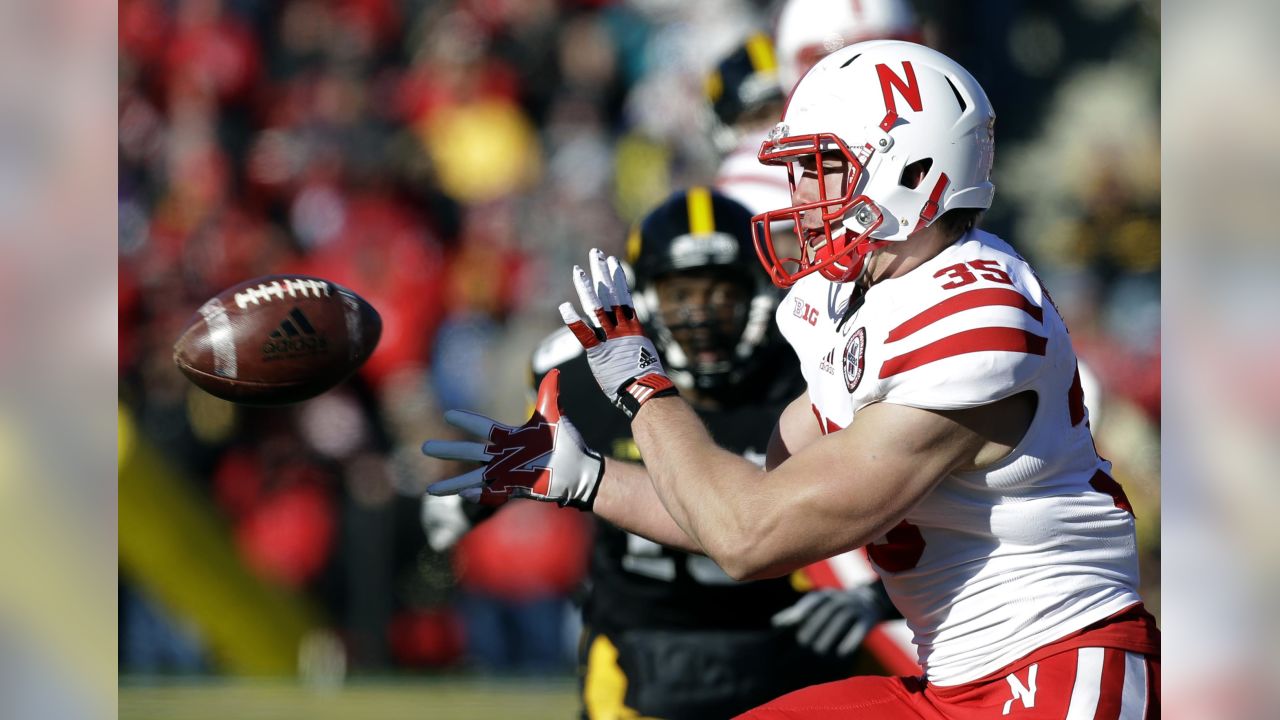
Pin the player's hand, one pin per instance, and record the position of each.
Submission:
(835, 621)
(544, 459)
(624, 361)
(443, 521)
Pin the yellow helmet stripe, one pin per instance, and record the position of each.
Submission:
(633, 244)
(714, 86)
(760, 52)
(702, 220)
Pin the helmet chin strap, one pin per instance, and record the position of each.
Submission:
(865, 255)
(864, 275)
(869, 252)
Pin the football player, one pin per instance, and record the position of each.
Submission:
(747, 90)
(949, 435)
(744, 94)
(667, 634)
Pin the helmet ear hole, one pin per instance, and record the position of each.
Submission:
(915, 172)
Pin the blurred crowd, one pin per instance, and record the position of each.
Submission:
(449, 161)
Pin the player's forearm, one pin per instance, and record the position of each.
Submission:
(708, 491)
(626, 498)
(758, 524)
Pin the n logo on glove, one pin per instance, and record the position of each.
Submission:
(544, 459)
(516, 454)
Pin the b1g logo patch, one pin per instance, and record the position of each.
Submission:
(853, 360)
(805, 312)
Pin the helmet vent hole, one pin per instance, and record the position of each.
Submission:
(915, 172)
(849, 62)
(959, 99)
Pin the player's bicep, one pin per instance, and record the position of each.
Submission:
(858, 482)
(910, 449)
(795, 430)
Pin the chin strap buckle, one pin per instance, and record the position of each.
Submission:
(930, 209)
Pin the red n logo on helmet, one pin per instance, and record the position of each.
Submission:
(909, 89)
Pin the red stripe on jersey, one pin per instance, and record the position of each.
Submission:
(1075, 399)
(1153, 690)
(966, 301)
(1111, 692)
(987, 339)
(1107, 485)
(824, 424)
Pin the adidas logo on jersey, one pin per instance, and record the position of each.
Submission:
(828, 363)
(646, 358)
(294, 337)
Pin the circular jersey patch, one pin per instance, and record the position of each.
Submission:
(853, 358)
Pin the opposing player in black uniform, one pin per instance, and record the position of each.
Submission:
(666, 633)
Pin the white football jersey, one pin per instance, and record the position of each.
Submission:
(995, 563)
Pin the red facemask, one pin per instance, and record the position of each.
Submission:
(832, 249)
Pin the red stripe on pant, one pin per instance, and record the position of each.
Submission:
(1111, 691)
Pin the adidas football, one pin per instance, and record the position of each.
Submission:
(277, 339)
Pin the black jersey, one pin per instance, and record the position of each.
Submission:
(636, 583)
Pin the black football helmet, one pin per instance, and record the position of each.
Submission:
(744, 88)
(700, 289)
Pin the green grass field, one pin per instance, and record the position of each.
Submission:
(435, 698)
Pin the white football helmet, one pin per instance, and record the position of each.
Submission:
(904, 134)
(809, 30)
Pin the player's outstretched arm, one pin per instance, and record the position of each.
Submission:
(838, 493)
(545, 459)
(629, 501)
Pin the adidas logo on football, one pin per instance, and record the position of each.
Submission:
(294, 325)
(647, 358)
(828, 363)
(295, 336)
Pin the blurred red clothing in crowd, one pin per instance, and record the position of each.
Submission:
(289, 536)
(551, 546)
(145, 30)
(282, 511)
(423, 638)
(1124, 371)
(211, 53)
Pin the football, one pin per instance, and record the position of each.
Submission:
(277, 339)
